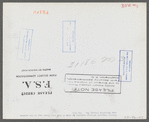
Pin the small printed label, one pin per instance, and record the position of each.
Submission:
(86, 83)
(125, 65)
(69, 36)
(25, 41)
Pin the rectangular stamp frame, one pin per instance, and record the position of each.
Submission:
(92, 75)
(120, 63)
(63, 50)
(27, 45)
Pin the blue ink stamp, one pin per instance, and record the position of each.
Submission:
(24, 46)
(69, 36)
(125, 65)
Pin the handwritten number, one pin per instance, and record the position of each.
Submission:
(108, 59)
(81, 64)
(104, 59)
(93, 62)
(77, 64)
(87, 61)
(112, 59)
(71, 64)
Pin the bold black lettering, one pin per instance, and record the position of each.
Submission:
(38, 84)
(27, 84)
(48, 85)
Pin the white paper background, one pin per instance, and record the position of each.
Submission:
(102, 29)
